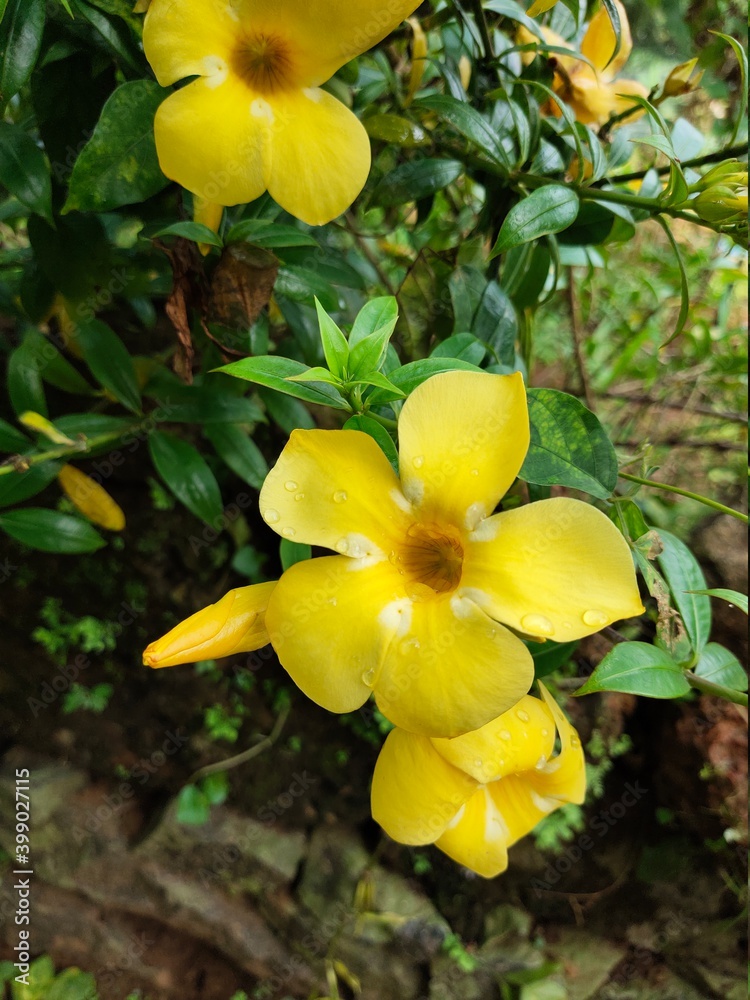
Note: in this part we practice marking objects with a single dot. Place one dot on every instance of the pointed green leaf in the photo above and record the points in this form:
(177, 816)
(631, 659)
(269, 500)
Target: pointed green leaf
(335, 346)
(110, 362)
(24, 171)
(720, 666)
(186, 473)
(684, 576)
(549, 209)
(638, 668)
(50, 531)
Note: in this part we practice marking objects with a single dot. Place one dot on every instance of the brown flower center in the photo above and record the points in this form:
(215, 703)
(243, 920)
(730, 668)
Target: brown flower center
(432, 557)
(264, 63)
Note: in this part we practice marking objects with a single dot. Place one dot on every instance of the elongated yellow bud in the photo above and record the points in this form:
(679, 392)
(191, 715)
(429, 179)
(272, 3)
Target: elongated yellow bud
(681, 80)
(235, 624)
(91, 499)
(418, 59)
(210, 214)
(36, 422)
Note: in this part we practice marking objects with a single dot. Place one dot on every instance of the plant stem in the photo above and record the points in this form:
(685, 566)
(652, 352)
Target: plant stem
(63, 451)
(386, 422)
(479, 17)
(246, 755)
(686, 493)
(717, 690)
(578, 338)
(699, 161)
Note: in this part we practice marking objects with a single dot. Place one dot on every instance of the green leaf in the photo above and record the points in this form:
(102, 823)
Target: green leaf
(239, 452)
(407, 378)
(187, 475)
(118, 165)
(549, 209)
(25, 381)
(638, 668)
(614, 16)
(371, 334)
(290, 414)
(24, 171)
(193, 808)
(52, 366)
(292, 553)
(50, 531)
(269, 234)
(415, 180)
(20, 41)
(335, 346)
(361, 422)
(397, 130)
(110, 363)
(73, 984)
(463, 346)
(273, 372)
(684, 575)
(720, 666)
(115, 37)
(548, 656)
(12, 440)
(569, 446)
(684, 282)
(733, 596)
(379, 381)
(739, 51)
(18, 486)
(469, 123)
(496, 324)
(194, 231)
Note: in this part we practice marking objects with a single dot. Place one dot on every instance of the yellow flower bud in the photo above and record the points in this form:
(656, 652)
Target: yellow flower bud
(679, 80)
(91, 499)
(418, 59)
(722, 203)
(235, 624)
(209, 214)
(36, 422)
(464, 71)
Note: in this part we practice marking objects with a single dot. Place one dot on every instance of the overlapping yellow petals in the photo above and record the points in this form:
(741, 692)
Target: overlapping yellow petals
(256, 118)
(599, 42)
(462, 440)
(336, 489)
(475, 796)
(235, 624)
(556, 569)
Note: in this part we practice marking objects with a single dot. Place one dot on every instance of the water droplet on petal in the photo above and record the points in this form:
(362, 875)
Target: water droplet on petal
(368, 677)
(523, 716)
(575, 742)
(595, 618)
(340, 496)
(272, 516)
(478, 762)
(291, 486)
(504, 735)
(342, 546)
(541, 762)
(475, 472)
(288, 532)
(299, 496)
(333, 601)
(545, 732)
(418, 462)
(537, 625)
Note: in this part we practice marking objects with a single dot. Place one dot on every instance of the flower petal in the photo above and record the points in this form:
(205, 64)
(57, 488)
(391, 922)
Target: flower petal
(235, 624)
(557, 569)
(318, 155)
(598, 44)
(329, 32)
(594, 102)
(189, 38)
(326, 622)
(336, 489)
(415, 792)
(227, 168)
(515, 741)
(463, 437)
(450, 669)
(478, 837)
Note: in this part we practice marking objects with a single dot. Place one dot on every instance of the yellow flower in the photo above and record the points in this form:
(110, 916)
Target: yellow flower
(593, 93)
(256, 118)
(683, 79)
(235, 624)
(475, 796)
(91, 499)
(411, 607)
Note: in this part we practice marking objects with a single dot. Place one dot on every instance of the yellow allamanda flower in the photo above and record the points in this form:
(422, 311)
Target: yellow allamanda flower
(422, 602)
(256, 118)
(593, 93)
(235, 624)
(477, 795)
(91, 498)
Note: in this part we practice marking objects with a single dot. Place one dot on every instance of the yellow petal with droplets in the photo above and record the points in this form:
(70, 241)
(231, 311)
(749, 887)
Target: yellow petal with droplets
(478, 837)
(556, 569)
(91, 499)
(415, 792)
(463, 437)
(235, 624)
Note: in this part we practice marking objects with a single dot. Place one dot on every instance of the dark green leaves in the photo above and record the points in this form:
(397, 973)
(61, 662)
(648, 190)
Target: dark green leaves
(119, 165)
(683, 574)
(51, 531)
(194, 231)
(187, 475)
(718, 665)
(549, 209)
(24, 171)
(469, 123)
(638, 668)
(110, 363)
(20, 40)
(569, 446)
(416, 180)
(239, 452)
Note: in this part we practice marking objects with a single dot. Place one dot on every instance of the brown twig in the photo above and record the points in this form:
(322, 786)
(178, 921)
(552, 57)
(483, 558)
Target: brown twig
(246, 755)
(707, 411)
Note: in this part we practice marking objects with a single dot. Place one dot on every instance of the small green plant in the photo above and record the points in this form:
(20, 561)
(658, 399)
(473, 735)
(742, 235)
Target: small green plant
(81, 698)
(221, 724)
(62, 632)
(455, 949)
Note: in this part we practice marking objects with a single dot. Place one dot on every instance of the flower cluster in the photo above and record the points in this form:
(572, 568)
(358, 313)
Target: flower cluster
(425, 604)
